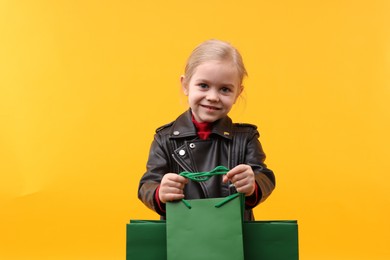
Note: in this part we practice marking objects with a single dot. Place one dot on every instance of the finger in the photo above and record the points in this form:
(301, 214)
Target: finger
(171, 190)
(232, 173)
(242, 177)
(237, 184)
(246, 189)
(173, 180)
(237, 170)
(238, 177)
(225, 179)
(171, 197)
(169, 193)
(178, 178)
(246, 180)
(174, 184)
(245, 175)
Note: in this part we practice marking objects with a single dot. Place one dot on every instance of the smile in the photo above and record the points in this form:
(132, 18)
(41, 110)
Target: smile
(211, 107)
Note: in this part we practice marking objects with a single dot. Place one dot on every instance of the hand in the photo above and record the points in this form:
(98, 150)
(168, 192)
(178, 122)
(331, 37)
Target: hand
(243, 178)
(171, 187)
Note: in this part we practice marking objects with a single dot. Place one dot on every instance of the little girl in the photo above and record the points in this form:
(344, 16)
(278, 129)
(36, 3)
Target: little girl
(204, 137)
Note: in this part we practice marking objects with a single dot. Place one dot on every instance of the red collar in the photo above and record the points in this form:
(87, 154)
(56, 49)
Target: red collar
(204, 129)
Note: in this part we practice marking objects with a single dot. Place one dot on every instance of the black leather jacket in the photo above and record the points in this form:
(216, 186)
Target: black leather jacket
(176, 148)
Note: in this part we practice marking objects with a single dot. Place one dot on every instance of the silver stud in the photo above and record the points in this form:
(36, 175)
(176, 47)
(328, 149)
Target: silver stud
(182, 152)
(176, 133)
(192, 145)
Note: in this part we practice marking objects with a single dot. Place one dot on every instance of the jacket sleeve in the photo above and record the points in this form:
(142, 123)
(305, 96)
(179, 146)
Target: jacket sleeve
(255, 157)
(156, 167)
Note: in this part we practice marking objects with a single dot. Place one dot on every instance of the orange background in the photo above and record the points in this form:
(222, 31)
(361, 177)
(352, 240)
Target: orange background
(83, 85)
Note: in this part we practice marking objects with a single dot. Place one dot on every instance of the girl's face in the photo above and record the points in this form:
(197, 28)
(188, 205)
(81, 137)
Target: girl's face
(212, 90)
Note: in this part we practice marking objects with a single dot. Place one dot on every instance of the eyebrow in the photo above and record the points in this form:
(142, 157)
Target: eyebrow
(207, 81)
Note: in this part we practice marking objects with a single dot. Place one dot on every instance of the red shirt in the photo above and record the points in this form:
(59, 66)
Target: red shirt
(203, 129)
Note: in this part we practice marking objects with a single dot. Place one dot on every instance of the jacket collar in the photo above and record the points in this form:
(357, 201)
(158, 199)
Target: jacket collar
(184, 127)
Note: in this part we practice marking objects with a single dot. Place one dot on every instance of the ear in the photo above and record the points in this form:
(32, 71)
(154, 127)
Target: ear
(184, 85)
(239, 92)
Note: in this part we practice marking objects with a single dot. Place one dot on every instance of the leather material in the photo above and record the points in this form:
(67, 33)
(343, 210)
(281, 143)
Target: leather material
(176, 148)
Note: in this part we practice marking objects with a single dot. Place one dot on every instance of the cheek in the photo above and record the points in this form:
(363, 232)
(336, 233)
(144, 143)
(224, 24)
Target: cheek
(195, 95)
(230, 101)
(192, 98)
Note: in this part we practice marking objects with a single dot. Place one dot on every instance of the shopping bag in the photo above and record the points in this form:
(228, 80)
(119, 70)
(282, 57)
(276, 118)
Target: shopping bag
(271, 240)
(146, 240)
(211, 229)
(205, 231)
(263, 240)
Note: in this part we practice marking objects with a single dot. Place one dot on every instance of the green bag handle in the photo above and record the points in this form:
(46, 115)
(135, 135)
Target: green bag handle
(204, 176)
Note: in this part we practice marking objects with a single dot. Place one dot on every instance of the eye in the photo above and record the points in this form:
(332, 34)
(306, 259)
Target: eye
(226, 90)
(203, 85)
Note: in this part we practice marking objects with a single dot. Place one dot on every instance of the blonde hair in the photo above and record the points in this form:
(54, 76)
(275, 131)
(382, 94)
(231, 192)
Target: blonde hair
(214, 50)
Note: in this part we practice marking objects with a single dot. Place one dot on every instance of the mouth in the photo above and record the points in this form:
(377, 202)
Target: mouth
(211, 107)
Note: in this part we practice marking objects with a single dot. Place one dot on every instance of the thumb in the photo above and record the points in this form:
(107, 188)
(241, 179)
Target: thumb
(225, 179)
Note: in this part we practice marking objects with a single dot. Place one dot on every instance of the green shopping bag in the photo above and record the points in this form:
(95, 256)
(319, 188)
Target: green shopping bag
(271, 240)
(206, 229)
(264, 240)
(146, 240)
(197, 229)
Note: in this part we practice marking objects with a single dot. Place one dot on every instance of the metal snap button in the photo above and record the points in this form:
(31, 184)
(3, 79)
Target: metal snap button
(182, 152)
(176, 133)
(192, 145)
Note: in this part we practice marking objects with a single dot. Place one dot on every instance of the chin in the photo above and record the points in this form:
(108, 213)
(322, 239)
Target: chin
(209, 119)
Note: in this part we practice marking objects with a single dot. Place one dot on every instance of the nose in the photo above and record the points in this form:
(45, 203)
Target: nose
(212, 95)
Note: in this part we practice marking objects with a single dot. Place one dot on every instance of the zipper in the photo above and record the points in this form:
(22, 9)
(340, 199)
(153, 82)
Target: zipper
(202, 185)
(181, 164)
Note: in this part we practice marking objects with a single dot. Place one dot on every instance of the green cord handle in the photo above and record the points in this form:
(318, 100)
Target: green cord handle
(204, 176)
